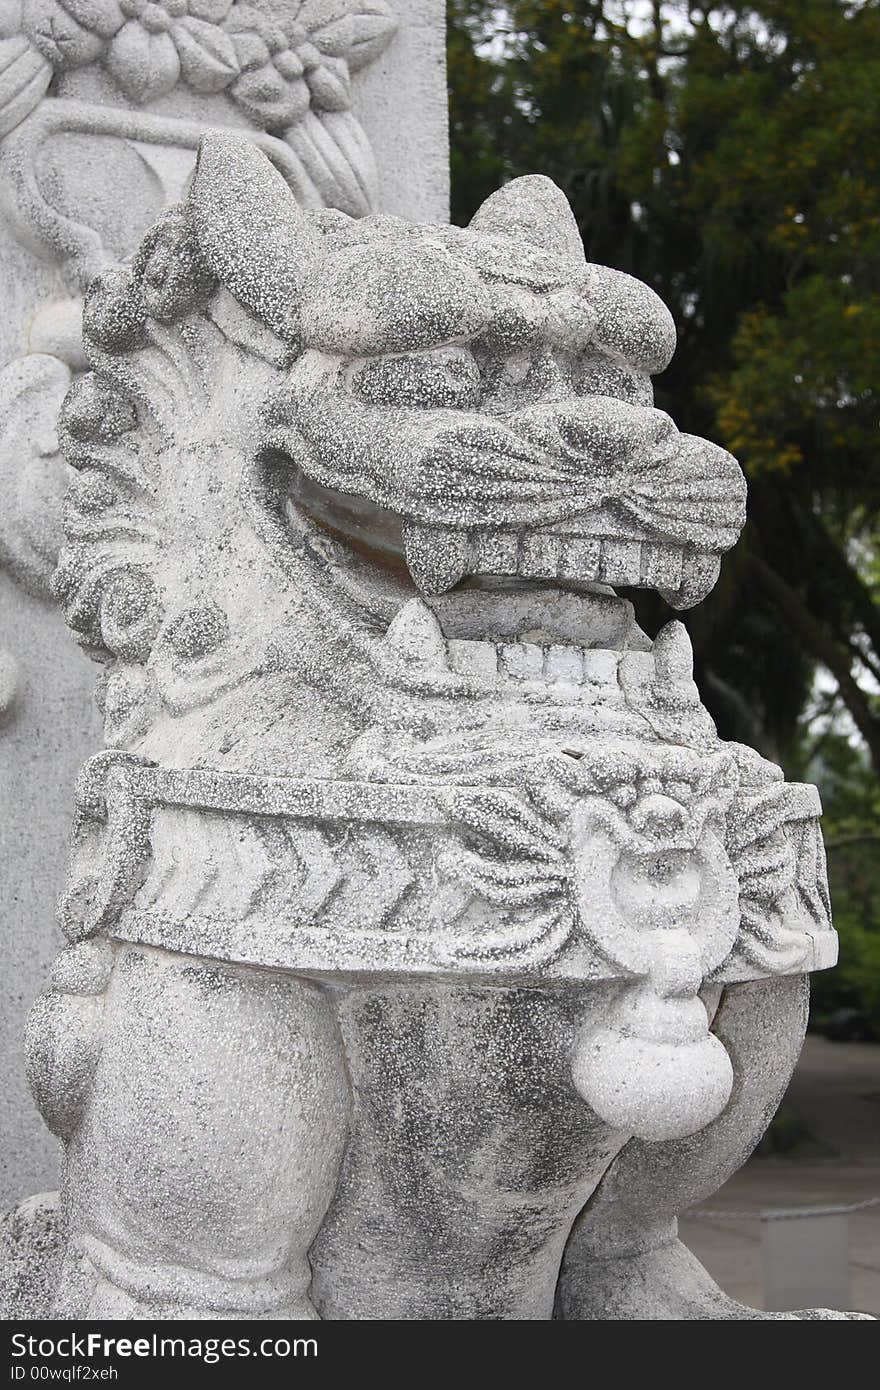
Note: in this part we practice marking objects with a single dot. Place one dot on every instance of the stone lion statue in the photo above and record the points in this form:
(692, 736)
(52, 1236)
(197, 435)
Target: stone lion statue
(428, 951)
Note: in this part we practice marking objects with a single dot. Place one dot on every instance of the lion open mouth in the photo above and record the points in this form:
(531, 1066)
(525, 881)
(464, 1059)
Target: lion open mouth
(580, 490)
(562, 637)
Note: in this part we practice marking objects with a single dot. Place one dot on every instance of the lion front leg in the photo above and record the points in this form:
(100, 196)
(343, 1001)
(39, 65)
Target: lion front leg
(207, 1147)
(624, 1260)
(470, 1153)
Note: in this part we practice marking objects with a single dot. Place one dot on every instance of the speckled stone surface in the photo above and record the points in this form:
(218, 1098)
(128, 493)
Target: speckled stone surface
(113, 133)
(427, 950)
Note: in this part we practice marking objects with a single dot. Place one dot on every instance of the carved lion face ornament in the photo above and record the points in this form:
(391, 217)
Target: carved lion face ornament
(433, 452)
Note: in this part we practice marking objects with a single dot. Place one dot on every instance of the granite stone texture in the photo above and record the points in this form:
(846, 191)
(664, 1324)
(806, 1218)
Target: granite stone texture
(98, 134)
(427, 951)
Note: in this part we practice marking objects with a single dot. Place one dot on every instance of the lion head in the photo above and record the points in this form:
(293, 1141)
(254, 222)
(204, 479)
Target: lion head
(410, 463)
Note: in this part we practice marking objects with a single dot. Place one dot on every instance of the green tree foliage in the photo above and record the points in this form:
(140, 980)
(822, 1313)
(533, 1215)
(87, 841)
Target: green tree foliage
(729, 156)
(851, 798)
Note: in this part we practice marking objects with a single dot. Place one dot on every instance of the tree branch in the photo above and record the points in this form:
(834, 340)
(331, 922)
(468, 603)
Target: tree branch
(837, 568)
(820, 642)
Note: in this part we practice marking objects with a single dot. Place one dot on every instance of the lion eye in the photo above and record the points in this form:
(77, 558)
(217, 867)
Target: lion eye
(443, 379)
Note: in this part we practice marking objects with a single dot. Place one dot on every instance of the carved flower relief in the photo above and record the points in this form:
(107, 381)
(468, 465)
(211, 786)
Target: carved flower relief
(25, 73)
(282, 74)
(274, 71)
(158, 44)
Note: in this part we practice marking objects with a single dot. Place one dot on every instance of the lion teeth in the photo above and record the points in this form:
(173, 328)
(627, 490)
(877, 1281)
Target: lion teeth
(559, 664)
(474, 658)
(670, 661)
(637, 667)
(581, 559)
(600, 667)
(683, 578)
(415, 634)
(661, 565)
(699, 577)
(563, 663)
(620, 562)
(539, 555)
(522, 661)
(437, 557)
(495, 552)
(673, 653)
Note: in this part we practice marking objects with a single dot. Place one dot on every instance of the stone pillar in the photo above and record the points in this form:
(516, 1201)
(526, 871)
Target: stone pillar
(95, 140)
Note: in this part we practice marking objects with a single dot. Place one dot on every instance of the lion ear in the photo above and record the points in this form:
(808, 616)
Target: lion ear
(535, 210)
(250, 229)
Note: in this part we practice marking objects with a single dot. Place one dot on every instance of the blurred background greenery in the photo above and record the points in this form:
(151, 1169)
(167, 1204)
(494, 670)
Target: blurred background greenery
(729, 155)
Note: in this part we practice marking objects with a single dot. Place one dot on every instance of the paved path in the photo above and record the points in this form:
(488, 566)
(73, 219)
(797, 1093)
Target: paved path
(836, 1095)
